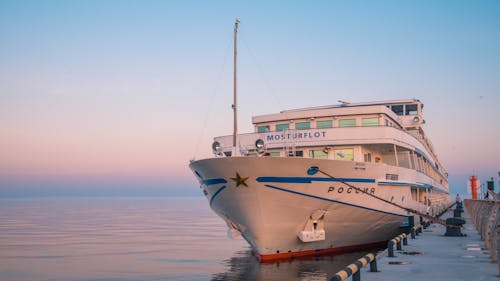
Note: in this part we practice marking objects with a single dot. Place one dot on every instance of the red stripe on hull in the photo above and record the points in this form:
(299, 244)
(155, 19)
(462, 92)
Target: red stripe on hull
(337, 250)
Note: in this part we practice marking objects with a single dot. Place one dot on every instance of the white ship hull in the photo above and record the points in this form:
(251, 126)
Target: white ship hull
(280, 197)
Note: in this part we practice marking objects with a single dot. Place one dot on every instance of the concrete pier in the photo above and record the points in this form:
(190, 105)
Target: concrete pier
(433, 256)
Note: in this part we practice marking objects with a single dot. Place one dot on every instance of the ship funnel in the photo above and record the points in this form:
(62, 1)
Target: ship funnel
(312, 170)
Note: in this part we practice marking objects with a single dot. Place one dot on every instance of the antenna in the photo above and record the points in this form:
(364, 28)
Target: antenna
(344, 103)
(235, 112)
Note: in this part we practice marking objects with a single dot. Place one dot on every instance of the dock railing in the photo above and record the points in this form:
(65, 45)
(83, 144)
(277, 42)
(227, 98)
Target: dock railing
(396, 241)
(354, 269)
(485, 214)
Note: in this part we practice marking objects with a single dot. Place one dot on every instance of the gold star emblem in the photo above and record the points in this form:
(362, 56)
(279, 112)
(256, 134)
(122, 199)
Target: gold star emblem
(240, 180)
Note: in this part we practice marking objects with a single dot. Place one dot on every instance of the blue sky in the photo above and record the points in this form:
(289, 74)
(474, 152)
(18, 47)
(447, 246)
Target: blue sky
(98, 95)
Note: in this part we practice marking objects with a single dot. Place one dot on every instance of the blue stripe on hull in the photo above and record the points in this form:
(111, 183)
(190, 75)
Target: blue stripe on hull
(208, 182)
(310, 179)
(215, 194)
(330, 200)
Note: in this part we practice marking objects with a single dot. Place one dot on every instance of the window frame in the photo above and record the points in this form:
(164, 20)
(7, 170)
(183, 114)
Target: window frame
(267, 128)
(402, 109)
(345, 120)
(321, 154)
(285, 126)
(413, 112)
(337, 157)
(298, 124)
(318, 126)
(363, 124)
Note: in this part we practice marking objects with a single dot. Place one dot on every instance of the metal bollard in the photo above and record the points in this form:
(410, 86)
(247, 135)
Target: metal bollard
(373, 265)
(396, 241)
(411, 224)
(405, 239)
(411, 221)
(453, 227)
(356, 276)
(390, 248)
(457, 213)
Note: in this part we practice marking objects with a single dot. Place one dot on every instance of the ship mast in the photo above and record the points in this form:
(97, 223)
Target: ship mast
(235, 115)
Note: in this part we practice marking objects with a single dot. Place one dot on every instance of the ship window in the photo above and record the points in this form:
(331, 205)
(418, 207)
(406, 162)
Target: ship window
(318, 154)
(227, 153)
(398, 109)
(274, 154)
(324, 124)
(344, 154)
(368, 157)
(391, 177)
(367, 122)
(252, 154)
(414, 194)
(263, 129)
(347, 123)
(411, 109)
(282, 127)
(303, 125)
(298, 153)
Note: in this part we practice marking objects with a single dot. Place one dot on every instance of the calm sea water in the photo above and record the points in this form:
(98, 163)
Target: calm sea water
(115, 239)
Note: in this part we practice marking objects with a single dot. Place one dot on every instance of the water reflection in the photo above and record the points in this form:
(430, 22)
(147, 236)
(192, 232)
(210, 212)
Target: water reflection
(111, 239)
(146, 239)
(244, 266)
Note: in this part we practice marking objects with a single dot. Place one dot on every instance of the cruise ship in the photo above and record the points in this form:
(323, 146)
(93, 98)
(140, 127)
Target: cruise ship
(324, 179)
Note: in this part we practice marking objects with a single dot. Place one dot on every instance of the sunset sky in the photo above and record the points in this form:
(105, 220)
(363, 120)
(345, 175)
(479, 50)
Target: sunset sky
(115, 97)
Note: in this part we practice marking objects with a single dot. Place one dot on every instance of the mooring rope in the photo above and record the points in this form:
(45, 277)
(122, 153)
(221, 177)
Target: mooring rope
(410, 210)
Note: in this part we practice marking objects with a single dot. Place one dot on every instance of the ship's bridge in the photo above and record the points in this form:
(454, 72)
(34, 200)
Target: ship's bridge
(405, 114)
